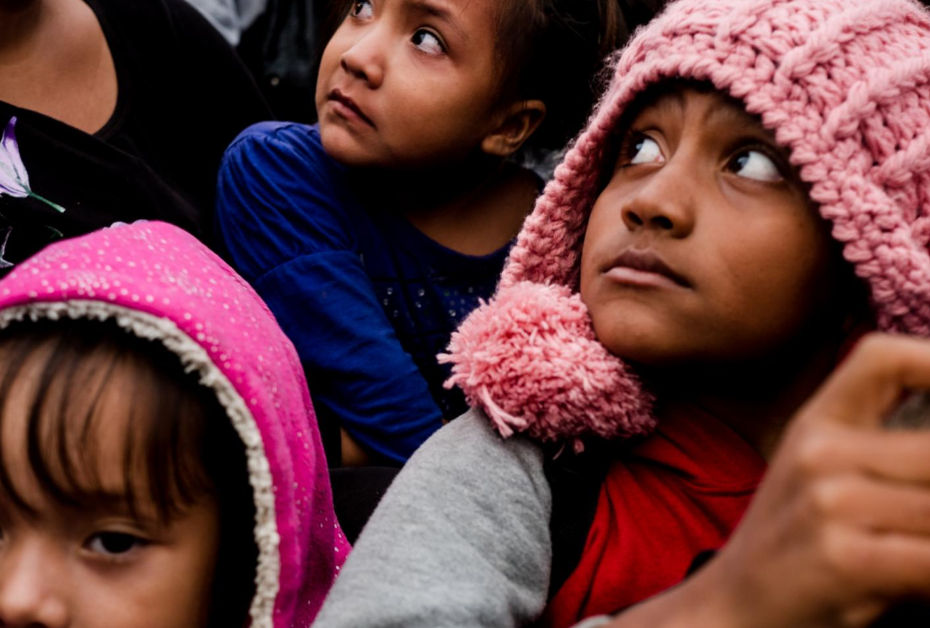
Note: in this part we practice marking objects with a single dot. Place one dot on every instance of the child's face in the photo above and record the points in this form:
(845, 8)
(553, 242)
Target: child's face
(408, 83)
(100, 565)
(703, 247)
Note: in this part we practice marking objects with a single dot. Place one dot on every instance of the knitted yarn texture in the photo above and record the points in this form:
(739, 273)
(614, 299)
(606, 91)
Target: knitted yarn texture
(843, 84)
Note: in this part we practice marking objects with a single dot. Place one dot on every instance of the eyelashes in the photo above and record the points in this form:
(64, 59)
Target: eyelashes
(114, 544)
(642, 150)
(747, 158)
(428, 42)
(423, 39)
(362, 9)
(107, 545)
(756, 165)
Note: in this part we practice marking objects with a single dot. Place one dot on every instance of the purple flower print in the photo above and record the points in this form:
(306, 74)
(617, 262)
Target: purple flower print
(14, 180)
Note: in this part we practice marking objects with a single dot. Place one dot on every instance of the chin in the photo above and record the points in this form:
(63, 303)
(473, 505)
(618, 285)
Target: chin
(638, 348)
(343, 147)
(635, 335)
(650, 356)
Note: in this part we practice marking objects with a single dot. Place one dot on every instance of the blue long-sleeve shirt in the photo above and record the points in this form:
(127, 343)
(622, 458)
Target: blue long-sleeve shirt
(367, 299)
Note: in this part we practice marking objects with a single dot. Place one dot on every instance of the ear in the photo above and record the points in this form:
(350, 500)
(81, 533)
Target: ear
(515, 125)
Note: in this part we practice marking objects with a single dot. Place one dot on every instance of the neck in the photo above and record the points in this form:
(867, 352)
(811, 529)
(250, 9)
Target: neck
(474, 207)
(756, 398)
(424, 190)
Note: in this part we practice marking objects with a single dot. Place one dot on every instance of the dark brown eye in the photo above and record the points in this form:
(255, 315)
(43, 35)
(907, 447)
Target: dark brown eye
(362, 9)
(645, 150)
(428, 42)
(113, 543)
(756, 165)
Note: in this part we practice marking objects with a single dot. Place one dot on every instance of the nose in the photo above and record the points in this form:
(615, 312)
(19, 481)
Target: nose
(664, 203)
(364, 59)
(31, 592)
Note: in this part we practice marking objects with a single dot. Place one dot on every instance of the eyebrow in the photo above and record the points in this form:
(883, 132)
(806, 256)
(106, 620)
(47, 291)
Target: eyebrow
(672, 99)
(727, 113)
(440, 11)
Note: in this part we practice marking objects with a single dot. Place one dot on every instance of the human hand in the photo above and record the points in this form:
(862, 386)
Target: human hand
(840, 528)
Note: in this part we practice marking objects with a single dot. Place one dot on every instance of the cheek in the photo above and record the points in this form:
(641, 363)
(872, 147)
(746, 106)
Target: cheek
(452, 102)
(190, 592)
(782, 281)
(172, 586)
(588, 276)
(588, 272)
(601, 237)
(630, 325)
(154, 598)
(329, 62)
(452, 119)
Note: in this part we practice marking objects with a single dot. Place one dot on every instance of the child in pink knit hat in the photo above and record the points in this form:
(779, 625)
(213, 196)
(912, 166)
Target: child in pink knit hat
(675, 323)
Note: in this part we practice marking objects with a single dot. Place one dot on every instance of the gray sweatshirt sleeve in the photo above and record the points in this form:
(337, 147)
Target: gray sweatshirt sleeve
(460, 539)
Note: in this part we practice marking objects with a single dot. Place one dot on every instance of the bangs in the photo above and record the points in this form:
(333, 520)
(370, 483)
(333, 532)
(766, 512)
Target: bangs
(98, 414)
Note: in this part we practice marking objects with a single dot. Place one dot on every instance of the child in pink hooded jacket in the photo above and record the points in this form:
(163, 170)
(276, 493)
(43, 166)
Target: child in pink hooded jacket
(160, 464)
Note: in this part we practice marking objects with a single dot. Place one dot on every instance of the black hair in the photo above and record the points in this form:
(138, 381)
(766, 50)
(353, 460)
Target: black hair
(554, 51)
(179, 444)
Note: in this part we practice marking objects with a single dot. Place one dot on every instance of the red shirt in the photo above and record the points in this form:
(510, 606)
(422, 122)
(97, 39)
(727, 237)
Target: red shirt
(678, 493)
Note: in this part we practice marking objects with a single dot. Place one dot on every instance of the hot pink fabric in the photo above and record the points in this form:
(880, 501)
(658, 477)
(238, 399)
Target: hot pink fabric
(158, 269)
(844, 84)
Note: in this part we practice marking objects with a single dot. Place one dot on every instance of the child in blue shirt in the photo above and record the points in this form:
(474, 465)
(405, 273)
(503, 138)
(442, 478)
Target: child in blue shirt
(372, 234)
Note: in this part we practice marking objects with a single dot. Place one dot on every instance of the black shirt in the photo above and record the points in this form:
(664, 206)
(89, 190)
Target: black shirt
(183, 96)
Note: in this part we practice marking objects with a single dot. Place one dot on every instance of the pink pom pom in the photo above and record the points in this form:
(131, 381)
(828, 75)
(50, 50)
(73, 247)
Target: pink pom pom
(530, 360)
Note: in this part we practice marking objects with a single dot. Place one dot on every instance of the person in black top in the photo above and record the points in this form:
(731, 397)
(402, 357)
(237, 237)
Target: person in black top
(112, 111)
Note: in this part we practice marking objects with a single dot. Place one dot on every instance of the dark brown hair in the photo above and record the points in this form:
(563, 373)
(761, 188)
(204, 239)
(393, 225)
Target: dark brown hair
(554, 50)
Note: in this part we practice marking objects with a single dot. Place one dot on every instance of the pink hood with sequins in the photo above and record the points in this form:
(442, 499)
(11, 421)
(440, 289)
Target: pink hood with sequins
(158, 282)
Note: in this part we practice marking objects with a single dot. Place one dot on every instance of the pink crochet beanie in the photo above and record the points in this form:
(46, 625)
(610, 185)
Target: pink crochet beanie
(844, 84)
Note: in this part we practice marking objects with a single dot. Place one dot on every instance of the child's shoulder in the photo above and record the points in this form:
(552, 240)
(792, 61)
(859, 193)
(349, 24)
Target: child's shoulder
(282, 141)
(279, 196)
(468, 503)
(283, 163)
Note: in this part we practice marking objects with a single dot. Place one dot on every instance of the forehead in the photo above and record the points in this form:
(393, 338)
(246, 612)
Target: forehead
(470, 19)
(696, 103)
(80, 422)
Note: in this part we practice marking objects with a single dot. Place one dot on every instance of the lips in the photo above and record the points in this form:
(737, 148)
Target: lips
(643, 267)
(337, 96)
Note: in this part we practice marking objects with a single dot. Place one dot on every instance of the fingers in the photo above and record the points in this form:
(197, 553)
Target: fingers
(840, 527)
(873, 506)
(867, 385)
(899, 456)
(888, 565)
(889, 456)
